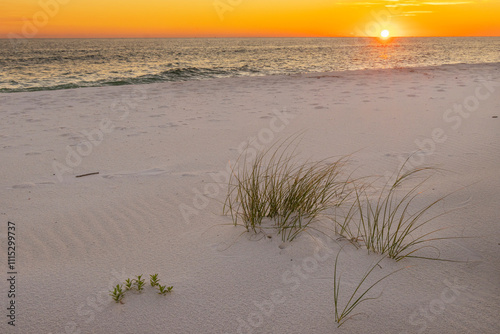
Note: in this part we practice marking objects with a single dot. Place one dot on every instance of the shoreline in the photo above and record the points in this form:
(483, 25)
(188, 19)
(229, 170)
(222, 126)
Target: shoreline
(305, 74)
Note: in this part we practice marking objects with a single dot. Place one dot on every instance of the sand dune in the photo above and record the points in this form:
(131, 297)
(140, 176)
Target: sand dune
(162, 152)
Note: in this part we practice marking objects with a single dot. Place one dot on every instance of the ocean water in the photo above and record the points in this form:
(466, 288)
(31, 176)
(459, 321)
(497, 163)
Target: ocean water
(49, 64)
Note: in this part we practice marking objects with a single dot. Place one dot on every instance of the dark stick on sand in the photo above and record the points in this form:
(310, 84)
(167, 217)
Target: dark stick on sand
(82, 175)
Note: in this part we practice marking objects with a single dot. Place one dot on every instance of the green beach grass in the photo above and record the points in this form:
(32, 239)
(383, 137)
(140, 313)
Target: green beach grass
(387, 220)
(276, 186)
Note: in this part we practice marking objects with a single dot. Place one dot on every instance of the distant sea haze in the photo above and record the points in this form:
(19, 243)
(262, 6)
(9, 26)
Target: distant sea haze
(50, 64)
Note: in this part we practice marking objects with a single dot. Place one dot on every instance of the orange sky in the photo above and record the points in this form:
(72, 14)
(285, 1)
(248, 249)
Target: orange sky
(218, 18)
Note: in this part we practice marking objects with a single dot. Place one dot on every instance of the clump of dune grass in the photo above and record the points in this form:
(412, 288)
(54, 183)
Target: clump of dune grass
(276, 186)
(358, 296)
(389, 223)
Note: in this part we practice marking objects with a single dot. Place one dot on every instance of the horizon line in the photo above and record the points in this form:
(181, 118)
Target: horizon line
(212, 37)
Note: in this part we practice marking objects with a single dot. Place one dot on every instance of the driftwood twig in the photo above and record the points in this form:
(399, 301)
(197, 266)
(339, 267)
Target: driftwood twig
(82, 175)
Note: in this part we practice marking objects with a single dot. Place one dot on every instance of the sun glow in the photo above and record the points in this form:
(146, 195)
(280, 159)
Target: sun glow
(384, 33)
(256, 18)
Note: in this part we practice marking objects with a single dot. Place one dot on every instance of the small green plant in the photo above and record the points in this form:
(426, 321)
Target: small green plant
(342, 315)
(128, 284)
(140, 282)
(153, 280)
(117, 294)
(163, 289)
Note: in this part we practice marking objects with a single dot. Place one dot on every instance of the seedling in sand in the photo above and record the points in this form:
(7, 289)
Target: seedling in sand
(154, 280)
(117, 294)
(139, 282)
(163, 289)
(128, 284)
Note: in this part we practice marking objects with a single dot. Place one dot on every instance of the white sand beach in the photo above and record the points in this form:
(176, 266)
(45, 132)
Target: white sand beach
(162, 151)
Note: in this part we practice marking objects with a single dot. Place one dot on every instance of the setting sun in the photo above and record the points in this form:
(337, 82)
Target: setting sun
(384, 33)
